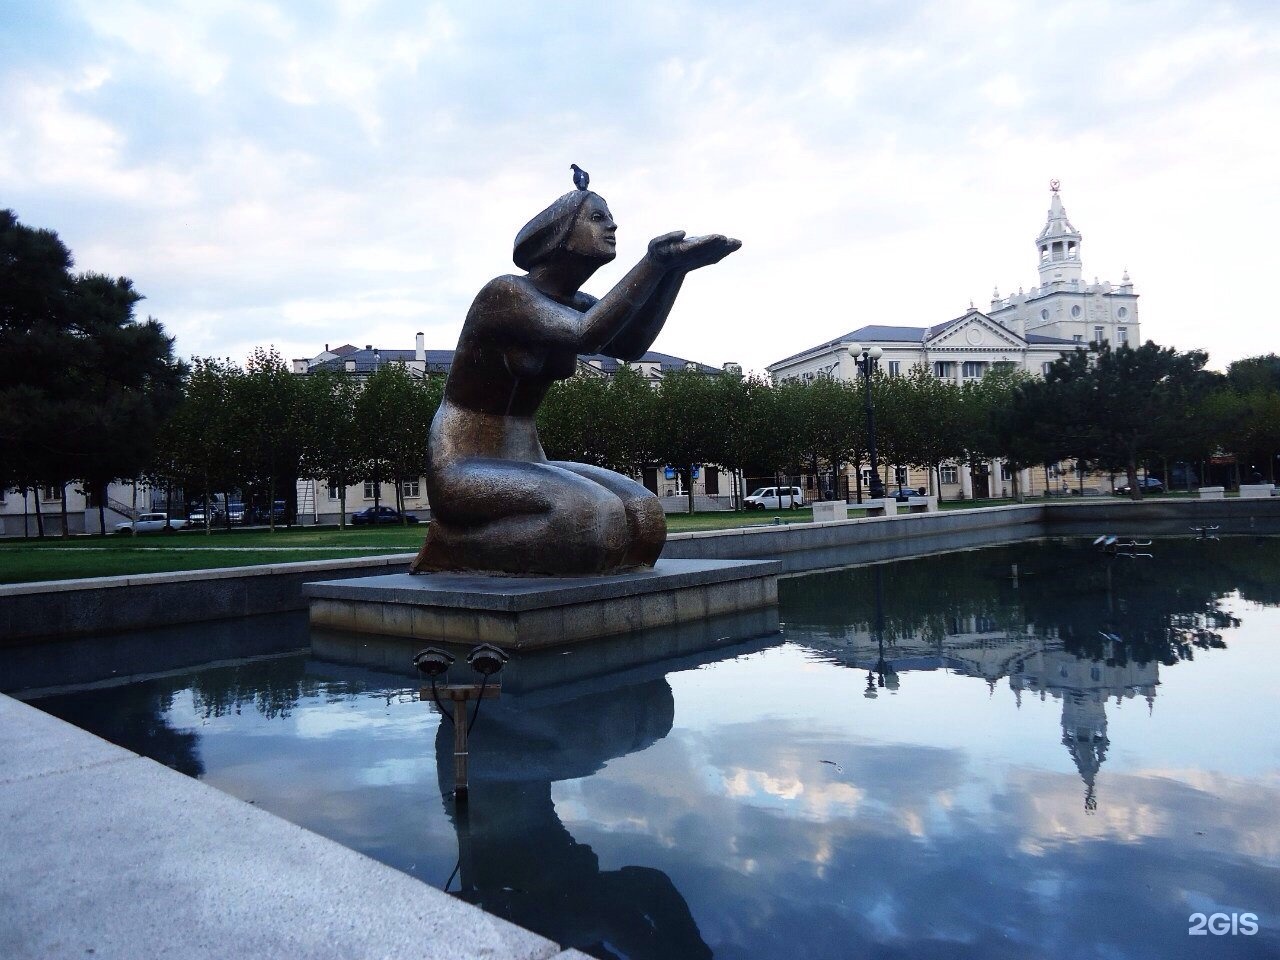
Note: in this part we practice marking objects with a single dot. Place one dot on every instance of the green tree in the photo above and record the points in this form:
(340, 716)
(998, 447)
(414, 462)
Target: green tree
(685, 432)
(83, 386)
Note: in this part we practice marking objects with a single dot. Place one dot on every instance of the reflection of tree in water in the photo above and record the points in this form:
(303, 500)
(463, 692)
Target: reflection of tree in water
(1075, 624)
(1163, 609)
(517, 860)
(132, 716)
(273, 688)
(136, 715)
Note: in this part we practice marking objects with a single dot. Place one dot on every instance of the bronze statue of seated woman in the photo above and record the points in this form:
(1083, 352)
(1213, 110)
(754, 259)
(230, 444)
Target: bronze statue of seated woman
(497, 504)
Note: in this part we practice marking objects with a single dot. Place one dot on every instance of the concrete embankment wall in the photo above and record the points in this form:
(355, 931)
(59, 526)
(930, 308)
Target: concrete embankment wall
(61, 609)
(77, 608)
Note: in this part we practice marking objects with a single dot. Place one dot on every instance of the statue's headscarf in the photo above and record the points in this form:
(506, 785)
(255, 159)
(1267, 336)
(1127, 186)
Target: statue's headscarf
(549, 231)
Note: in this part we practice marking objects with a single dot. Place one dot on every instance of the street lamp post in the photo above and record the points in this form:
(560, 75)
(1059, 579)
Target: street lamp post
(866, 358)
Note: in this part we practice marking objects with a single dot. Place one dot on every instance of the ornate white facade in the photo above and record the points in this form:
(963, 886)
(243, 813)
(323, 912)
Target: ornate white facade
(1025, 331)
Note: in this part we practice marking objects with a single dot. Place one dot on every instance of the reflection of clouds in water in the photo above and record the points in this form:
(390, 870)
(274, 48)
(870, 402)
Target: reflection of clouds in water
(1219, 815)
(399, 770)
(364, 717)
(912, 847)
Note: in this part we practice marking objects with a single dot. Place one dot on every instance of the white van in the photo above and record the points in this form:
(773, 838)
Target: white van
(769, 498)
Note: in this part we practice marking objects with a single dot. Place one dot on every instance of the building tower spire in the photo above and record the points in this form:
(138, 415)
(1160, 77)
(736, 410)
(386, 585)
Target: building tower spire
(1058, 244)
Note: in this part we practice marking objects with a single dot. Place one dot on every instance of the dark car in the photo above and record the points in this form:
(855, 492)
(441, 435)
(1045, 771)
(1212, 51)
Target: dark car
(260, 515)
(369, 516)
(1145, 484)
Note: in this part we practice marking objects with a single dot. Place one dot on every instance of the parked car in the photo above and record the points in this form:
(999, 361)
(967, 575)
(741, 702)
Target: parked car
(195, 516)
(906, 493)
(149, 523)
(235, 512)
(1145, 484)
(370, 516)
(775, 498)
(263, 516)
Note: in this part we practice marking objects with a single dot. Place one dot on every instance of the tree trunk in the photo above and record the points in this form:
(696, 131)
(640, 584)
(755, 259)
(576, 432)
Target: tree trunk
(688, 486)
(226, 501)
(102, 509)
(39, 514)
(271, 503)
(342, 504)
(857, 476)
(65, 532)
(168, 505)
(1131, 472)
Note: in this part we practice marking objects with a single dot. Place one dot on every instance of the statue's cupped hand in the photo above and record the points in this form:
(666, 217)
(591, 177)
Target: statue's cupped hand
(677, 251)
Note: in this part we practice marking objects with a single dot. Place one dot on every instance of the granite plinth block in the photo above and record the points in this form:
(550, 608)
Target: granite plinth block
(530, 612)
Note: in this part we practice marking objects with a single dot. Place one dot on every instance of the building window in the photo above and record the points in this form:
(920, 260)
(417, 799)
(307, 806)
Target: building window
(943, 369)
(973, 369)
(1071, 250)
(865, 474)
(1044, 254)
(1097, 334)
(50, 494)
(410, 488)
(1122, 336)
(1077, 337)
(1005, 472)
(1075, 312)
(950, 473)
(1122, 313)
(900, 476)
(335, 492)
(1045, 368)
(1044, 314)
(368, 489)
(895, 368)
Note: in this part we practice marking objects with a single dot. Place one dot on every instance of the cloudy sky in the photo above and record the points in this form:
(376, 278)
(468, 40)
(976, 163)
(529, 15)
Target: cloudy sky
(299, 174)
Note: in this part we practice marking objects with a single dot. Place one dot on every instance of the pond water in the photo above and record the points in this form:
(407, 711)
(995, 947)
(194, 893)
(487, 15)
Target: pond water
(933, 758)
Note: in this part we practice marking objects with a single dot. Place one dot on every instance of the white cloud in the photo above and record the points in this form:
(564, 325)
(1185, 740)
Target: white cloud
(262, 174)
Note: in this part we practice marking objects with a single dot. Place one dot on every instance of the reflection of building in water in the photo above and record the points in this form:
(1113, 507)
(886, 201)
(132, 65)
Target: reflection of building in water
(974, 647)
(1084, 687)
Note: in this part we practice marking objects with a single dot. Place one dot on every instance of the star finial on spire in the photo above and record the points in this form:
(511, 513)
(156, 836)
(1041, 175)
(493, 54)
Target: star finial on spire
(1054, 185)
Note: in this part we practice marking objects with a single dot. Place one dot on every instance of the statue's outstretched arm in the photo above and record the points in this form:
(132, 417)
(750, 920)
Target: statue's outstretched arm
(679, 255)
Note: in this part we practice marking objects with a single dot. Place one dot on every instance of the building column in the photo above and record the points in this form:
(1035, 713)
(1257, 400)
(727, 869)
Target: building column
(966, 481)
(996, 483)
(1024, 482)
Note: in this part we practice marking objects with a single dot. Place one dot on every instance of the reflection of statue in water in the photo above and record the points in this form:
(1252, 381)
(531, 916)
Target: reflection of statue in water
(497, 503)
(516, 858)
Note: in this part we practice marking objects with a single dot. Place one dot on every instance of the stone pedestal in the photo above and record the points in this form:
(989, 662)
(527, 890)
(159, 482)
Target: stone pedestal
(1255, 491)
(886, 507)
(528, 612)
(829, 510)
(1212, 493)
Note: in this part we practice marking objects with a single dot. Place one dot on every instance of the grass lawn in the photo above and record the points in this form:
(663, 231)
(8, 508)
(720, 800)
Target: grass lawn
(23, 561)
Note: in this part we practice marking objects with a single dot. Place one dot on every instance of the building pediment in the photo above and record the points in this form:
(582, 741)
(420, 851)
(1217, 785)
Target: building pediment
(974, 331)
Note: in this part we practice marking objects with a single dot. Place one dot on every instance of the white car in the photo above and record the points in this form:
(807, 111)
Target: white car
(149, 523)
(775, 498)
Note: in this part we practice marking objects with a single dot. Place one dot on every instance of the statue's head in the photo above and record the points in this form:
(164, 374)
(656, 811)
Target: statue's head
(578, 225)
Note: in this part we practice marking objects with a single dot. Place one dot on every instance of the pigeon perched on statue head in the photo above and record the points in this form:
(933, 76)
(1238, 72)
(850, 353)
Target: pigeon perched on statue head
(580, 177)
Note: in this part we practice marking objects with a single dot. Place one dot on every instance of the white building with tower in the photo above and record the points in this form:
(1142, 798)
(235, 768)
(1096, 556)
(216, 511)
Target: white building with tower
(1025, 331)
(1063, 306)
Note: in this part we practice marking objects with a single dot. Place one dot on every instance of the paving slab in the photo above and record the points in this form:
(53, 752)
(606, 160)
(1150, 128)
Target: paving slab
(121, 857)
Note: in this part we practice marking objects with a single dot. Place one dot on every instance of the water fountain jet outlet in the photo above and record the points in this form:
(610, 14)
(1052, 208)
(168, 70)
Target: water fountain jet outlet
(487, 659)
(432, 662)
